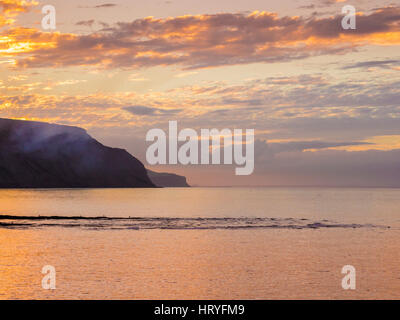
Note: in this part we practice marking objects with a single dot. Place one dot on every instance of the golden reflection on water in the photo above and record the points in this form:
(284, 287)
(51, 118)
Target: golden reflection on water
(16, 261)
(199, 264)
(203, 264)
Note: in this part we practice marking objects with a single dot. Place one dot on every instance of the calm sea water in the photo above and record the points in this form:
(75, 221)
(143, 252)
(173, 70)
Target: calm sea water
(200, 243)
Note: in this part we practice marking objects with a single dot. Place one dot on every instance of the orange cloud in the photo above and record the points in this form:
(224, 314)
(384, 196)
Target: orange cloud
(11, 8)
(15, 6)
(202, 41)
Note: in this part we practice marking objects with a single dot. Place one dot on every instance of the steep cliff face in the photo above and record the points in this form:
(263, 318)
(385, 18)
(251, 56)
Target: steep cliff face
(163, 179)
(42, 155)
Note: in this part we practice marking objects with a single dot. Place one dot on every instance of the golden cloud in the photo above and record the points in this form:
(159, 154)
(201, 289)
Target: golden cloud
(202, 41)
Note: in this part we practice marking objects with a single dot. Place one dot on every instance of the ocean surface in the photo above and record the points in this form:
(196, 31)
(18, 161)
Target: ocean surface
(200, 243)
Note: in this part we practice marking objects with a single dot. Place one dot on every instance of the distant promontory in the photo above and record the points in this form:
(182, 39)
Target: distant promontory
(164, 179)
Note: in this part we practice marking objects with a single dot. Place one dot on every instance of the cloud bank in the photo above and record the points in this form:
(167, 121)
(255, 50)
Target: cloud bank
(203, 41)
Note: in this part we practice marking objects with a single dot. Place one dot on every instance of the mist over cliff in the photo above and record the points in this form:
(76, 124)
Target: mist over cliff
(42, 155)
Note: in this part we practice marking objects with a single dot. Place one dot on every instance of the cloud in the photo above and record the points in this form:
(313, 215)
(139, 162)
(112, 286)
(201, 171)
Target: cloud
(16, 6)
(106, 5)
(310, 6)
(306, 107)
(330, 2)
(86, 23)
(385, 64)
(100, 6)
(11, 8)
(148, 111)
(323, 4)
(265, 151)
(203, 41)
(310, 145)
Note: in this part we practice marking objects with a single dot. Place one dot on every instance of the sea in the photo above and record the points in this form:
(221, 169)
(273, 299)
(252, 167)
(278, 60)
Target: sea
(200, 243)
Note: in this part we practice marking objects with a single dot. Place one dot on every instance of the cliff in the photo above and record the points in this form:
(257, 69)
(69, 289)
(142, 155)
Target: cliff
(42, 155)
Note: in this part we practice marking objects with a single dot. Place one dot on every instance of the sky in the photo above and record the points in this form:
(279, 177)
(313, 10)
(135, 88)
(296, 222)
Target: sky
(324, 102)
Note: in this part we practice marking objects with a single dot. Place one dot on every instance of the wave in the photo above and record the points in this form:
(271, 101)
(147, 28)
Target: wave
(144, 223)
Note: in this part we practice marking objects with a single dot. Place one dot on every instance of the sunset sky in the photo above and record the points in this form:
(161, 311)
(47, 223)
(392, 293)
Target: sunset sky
(324, 102)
